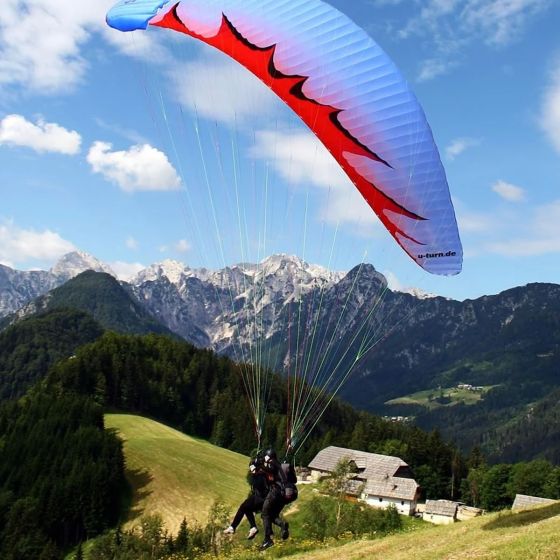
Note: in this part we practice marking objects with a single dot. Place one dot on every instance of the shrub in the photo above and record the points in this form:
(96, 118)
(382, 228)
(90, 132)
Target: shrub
(324, 517)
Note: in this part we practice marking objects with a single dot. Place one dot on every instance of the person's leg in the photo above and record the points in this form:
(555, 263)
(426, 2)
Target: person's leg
(268, 514)
(284, 528)
(250, 515)
(249, 508)
(243, 508)
(257, 506)
(252, 531)
(280, 521)
(267, 519)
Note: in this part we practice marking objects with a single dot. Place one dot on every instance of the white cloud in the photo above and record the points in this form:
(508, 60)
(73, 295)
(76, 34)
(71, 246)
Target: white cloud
(547, 220)
(509, 192)
(434, 67)
(550, 110)
(519, 232)
(137, 44)
(183, 246)
(453, 25)
(431, 15)
(15, 130)
(393, 282)
(525, 247)
(18, 245)
(501, 21)
(459, 146)
(140, 168)
(301, 159)
(474, 222)
(220, 89)
(126, 271)
(41, 42)
(131, 243)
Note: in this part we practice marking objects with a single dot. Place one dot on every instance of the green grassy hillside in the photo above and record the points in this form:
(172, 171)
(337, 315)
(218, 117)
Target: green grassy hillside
(176, 475)
(529, 535)
(436, 398)
(179, 476)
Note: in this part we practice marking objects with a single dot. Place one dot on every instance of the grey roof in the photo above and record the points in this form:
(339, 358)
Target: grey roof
(441, 507)
(392, 487)
(377, 472)
(522, 502)
(468, 511)
(374, 465)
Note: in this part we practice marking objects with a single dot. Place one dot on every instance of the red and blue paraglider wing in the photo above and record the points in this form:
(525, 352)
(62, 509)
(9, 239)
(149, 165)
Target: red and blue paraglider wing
(347, 91)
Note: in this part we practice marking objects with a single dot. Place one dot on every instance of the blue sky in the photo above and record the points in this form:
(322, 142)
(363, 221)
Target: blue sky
(138, 147)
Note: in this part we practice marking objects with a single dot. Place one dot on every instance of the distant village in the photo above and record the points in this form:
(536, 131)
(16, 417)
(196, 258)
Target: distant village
(467, 387)
(403, 419)
(460, 386)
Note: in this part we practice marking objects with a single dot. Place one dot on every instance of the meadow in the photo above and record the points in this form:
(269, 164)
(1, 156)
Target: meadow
(178, 476)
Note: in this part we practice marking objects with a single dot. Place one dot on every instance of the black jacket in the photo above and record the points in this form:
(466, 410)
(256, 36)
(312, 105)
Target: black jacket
(259, 484)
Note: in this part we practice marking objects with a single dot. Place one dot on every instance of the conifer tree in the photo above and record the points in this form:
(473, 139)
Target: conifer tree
(182, 540)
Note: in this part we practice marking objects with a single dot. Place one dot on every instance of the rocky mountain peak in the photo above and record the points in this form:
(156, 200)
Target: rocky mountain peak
(282, 264)
(72, 264)
(281, 261)
(170, 269)
(364, 274)
(417, 293)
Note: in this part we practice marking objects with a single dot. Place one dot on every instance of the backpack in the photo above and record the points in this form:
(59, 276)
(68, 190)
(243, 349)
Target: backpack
(289, 480)
(290, 493)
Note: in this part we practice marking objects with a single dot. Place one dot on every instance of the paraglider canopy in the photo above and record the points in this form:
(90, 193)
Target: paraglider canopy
(347, 91)
(353, 98)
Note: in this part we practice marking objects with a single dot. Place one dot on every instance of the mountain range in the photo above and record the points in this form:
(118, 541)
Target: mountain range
(18, 288)
(296, 317)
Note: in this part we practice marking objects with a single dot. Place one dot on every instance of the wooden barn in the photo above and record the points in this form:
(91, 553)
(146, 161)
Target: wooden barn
(379, 480)
(440, 512)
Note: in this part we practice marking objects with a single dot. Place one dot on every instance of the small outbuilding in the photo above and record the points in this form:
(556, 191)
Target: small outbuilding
(440, 512)
(464, 513)
(522, 502)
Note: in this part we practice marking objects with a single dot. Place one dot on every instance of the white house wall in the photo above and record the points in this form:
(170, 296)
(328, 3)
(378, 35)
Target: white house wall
(406, 508)
(438, 519)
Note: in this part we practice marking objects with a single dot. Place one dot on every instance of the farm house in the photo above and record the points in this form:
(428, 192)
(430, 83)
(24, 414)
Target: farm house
(378, 480)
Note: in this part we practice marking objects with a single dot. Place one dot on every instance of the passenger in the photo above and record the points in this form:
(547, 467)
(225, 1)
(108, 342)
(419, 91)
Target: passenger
(254, 503)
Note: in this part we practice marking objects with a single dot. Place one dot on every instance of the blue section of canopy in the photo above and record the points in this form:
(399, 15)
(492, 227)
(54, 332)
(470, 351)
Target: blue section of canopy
(130, 15)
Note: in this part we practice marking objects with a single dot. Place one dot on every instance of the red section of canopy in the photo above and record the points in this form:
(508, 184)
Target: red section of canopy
(321, 119)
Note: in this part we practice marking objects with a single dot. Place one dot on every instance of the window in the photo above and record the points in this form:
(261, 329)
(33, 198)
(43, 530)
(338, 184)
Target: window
(402, 502)
(380, 499)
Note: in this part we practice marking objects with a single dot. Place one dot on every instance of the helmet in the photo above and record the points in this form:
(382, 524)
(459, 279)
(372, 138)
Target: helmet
(270, 455)
(255, 464)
